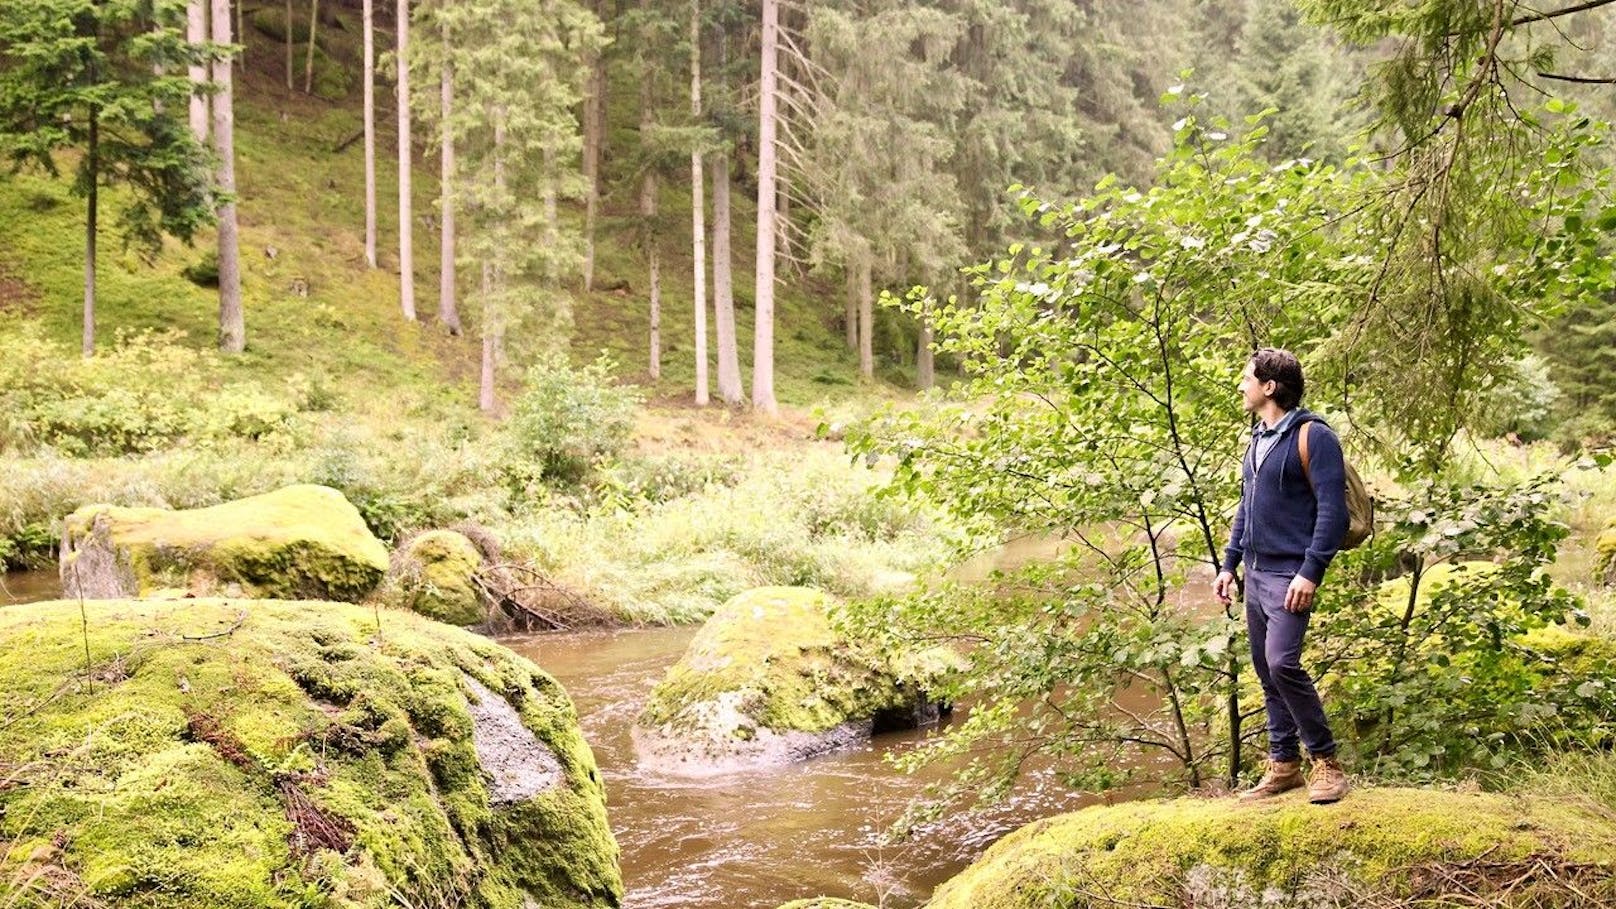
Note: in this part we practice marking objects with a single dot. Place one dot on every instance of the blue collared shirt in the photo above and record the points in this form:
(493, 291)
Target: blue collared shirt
(1267, 437)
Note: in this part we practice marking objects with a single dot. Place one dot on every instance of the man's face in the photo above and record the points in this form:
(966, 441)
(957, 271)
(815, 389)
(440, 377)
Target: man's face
(1252, 392)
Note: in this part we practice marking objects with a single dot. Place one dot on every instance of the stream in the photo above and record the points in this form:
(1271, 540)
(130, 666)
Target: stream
(750, 841)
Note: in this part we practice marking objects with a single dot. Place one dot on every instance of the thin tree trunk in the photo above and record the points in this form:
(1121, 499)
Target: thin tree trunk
(290, 57)
(241, 36)
(370, 132)
(485, 392)
(92, 167)
(925, 362)
(729, 365)
(594, 126)
(648, 212)
(308, 59)
(850, 301)
(763, 334)
(232, 322)
(196, 34)
(783, 220)
(866, 320)
(656, 316)
(493, 279)
(698, 216)
(406, 216)
(448, 310)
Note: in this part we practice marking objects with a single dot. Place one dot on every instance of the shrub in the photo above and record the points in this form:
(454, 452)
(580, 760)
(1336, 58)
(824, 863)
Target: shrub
(143, 392)
(567, 420)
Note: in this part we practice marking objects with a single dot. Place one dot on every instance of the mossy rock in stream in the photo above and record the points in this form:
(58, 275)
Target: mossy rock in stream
(1605, 555)
(288, 754)
(301, 542)
(825, 902)
(434, 574)
(1288, 854)
(768, 680)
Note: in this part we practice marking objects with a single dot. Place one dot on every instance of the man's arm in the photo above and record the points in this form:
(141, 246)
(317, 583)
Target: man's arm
(1328, 470)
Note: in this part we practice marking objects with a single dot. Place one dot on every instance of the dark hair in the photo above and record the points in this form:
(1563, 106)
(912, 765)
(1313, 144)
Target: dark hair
(1274, 364)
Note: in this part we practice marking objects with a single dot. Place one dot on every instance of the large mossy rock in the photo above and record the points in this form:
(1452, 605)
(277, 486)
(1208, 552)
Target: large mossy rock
(1288, 854)
(435, 574)
(1605, 556)
(288, 754)
(301, 542)
(766, 681)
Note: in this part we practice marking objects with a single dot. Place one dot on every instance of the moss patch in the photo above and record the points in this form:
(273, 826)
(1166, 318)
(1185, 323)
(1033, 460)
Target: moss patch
(771, 652)
(223, 754)
(299, 542)
(1283, 853)
(433, 575)
(1605, 556)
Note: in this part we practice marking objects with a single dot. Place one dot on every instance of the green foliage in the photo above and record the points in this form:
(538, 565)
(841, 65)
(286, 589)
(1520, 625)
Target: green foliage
(108, 79)
(146, 391)
(1447, 666)
(1100, 409)
(567, 420)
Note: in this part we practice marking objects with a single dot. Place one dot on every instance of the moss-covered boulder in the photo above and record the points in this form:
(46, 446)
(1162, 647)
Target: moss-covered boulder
(221, 753)
(301, 542)
(1288, 854)
(768, 680)
(434, 574)
(1605, 556)
(826, 902)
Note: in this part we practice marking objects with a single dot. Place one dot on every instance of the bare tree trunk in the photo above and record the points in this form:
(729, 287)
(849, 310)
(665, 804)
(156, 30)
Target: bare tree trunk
(232, 322)
(406, 215)
(196, 34)
(648, 212)
(866, 319)
(308, 59)
(698, 216)
(370, 132)
(594, 127)
(485, 391)
(493, 280)
(763, 334)
(783, 220)
(925, 363)
(290, 65)
(241, 36)
(850, 311)
(92, 166)
(448, 309)
(729, 365)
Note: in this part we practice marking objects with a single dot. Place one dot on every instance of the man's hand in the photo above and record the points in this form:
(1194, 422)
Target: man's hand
(1299, 596)
(1224, 587)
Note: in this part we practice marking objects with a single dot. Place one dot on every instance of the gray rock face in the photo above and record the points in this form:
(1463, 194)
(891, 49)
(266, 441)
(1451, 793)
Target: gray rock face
(518, 765)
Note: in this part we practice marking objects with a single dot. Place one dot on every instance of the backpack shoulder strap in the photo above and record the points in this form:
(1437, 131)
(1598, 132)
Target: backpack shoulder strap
(1301, 444)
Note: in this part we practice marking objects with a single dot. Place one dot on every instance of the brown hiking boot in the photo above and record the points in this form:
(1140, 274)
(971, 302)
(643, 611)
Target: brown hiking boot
(1282, 777)
(1329, 783)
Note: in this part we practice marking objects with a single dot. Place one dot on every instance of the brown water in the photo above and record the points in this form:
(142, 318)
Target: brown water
(756, 840)
(29, 586)
(753, 840)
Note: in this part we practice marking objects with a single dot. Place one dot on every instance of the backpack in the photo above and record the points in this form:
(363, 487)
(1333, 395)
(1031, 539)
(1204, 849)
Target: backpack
(1360, 505)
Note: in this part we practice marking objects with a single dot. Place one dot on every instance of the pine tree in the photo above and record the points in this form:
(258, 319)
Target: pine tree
(92, 77)
(768, 167)
(406, 214)
(232, 320)
(518, 74)
(368, 13)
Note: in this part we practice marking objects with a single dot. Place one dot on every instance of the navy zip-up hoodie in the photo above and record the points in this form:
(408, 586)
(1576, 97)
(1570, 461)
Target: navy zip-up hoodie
(1284, 524)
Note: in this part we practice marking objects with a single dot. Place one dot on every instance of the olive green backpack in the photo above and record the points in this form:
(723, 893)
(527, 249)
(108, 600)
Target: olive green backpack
(1360, 505)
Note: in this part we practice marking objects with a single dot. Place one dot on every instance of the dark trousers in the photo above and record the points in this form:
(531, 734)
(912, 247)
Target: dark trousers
(1295, 714)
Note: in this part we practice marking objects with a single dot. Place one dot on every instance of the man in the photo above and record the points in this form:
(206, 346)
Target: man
(1290, 523)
